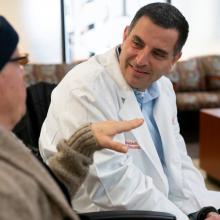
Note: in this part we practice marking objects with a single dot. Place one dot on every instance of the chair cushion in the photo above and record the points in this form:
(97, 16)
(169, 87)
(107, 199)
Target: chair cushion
(211, 66)
(191, 75)
(188, 76)
(50, 73)
(197, 100)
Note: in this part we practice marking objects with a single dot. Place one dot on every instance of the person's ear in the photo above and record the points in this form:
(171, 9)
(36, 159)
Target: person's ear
(126, 33)
(176, 57)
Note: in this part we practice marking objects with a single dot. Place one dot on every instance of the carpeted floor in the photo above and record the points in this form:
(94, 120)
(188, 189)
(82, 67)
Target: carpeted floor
(212, 185)
(193, 151)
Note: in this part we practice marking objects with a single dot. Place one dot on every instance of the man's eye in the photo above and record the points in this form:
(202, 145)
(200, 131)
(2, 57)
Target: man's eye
(159, 54)
(137, 44)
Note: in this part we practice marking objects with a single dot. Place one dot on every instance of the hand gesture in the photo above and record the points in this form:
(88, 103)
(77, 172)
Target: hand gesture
(105, 131)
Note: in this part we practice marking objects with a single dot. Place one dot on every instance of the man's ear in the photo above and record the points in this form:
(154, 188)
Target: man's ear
(126, 33)
(176, 57)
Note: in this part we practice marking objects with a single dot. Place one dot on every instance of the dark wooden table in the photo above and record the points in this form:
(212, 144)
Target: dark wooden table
(209, 142)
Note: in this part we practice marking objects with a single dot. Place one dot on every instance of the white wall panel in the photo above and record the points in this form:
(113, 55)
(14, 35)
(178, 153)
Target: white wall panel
(204, 22)
(39, 26)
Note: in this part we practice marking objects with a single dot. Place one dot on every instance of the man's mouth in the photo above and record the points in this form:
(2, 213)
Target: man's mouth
(138, 70)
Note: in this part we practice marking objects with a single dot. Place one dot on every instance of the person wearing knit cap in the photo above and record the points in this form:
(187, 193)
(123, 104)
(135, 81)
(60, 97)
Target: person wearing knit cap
(11, 73)
(27, 191)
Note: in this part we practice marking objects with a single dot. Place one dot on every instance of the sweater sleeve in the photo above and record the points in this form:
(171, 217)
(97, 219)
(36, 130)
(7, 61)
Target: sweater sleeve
(71, 162)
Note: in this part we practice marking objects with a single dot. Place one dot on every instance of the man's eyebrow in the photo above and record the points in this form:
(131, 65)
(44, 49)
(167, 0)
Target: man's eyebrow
(137, 38)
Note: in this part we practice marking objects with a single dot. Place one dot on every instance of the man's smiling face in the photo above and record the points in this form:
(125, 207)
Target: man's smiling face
(147, 53)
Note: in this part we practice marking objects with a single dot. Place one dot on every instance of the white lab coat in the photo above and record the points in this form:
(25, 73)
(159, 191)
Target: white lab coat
(96, 90)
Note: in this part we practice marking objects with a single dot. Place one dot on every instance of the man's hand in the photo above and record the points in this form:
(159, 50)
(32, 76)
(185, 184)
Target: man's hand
(212, 216)
(105, 131)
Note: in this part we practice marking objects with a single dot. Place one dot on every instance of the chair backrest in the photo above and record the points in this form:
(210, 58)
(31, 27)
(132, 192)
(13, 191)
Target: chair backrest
(127, 215)
(28, 129)
(37, 104)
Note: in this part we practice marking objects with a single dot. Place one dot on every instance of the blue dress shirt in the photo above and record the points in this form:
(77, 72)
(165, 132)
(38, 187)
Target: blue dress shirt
(146, 100)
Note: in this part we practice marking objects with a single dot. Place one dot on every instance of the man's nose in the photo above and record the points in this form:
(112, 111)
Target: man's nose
(143, 57)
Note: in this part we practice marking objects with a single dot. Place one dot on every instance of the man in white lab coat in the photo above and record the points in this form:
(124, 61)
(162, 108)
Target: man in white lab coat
(124, 83)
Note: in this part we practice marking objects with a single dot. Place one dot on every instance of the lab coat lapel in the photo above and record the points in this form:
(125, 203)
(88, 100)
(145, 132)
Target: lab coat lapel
(129, 110)
(165, 118)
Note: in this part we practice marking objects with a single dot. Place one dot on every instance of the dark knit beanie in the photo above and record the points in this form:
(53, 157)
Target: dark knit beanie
(8, 41)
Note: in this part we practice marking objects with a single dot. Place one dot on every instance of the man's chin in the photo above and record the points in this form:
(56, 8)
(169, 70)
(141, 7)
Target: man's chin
(138, 86)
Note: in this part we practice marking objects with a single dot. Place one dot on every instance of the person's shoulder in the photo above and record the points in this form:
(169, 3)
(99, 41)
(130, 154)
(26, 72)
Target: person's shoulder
(90, 74)
(19, 193)
(84, 73)
(10, 145)
(166, 87)
(95, 66)
(91, 67)
(165, 80)
(165, 83)
(16, 184)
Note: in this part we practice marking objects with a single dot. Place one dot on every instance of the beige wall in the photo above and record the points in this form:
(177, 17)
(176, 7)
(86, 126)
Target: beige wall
(39, 26)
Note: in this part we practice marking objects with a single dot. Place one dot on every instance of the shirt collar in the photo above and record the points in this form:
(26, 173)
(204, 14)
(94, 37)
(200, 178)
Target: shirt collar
(148, 95)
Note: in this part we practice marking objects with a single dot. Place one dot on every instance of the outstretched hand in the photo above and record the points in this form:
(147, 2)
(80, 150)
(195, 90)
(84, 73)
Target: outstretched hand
(104, 132)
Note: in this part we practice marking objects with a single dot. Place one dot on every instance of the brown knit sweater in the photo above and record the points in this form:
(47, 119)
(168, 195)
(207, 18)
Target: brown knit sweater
(27, 191)
(71, 163)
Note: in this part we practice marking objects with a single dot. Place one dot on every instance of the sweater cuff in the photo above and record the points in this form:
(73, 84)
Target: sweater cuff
(83, 141)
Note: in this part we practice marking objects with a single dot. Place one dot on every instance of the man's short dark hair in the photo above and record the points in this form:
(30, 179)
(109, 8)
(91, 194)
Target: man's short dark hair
(166, 16)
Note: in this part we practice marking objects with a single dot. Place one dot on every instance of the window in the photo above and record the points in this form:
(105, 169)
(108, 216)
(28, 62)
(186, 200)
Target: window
(204, 26)
(98, 25)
